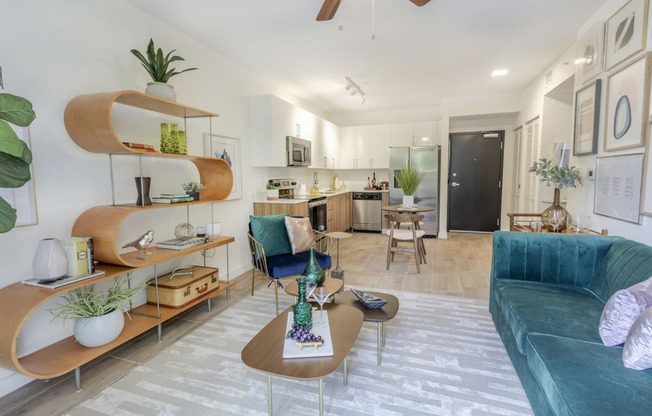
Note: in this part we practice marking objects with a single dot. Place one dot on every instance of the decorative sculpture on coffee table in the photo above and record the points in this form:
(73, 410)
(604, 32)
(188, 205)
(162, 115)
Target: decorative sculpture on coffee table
(313, 271)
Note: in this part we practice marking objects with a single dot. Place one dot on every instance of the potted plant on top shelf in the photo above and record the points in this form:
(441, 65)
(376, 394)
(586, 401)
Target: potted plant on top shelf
(156, 64)
(272, 191)
(192, 188)
(554, 217)
(15, 156)
(409, 179)
(99, 317)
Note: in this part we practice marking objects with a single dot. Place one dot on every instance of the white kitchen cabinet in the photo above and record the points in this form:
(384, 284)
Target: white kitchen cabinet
(326, 150)
(365, 147)
(271, 120)
(423, 133)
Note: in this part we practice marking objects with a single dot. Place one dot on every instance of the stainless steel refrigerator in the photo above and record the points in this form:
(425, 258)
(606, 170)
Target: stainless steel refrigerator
(427, 159)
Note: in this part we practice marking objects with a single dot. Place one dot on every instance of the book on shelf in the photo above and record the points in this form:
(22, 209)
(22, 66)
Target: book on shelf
(184, 195)
(167, 200)
(139, 145)
(76, 249)
(181, 243)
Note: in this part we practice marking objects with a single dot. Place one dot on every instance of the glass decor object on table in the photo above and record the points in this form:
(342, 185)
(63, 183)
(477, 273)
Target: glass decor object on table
(321, 295)
(313, 271)
(169, 140)
(302, 309)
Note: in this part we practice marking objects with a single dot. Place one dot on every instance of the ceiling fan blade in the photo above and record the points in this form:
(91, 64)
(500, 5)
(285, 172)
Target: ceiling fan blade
(420, 2)
(328, 10)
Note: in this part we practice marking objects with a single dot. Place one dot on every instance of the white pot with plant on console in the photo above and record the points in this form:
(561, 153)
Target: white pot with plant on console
(272, 191)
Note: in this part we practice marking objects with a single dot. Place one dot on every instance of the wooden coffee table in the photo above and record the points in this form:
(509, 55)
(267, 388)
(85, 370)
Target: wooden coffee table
(265, 351)
(380, 316)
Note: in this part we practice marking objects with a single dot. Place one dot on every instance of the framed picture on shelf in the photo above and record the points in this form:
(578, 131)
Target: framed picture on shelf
(626, 32)
(587, 119)
(618, 187)
(590, 54)
(628, 101)
(23, 199)
(227, 148)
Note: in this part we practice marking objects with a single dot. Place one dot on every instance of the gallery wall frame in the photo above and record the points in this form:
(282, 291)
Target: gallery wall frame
(587, 119)
(626, 32)
(23, 199)
(590, 54)
(618, 187)
(627, 104)
(646, 195)
(227, 148)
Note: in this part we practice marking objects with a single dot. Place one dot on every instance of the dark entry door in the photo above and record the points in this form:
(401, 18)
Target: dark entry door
(474, 181)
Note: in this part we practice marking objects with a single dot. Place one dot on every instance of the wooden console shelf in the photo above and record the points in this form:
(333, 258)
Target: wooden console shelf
(18, 302)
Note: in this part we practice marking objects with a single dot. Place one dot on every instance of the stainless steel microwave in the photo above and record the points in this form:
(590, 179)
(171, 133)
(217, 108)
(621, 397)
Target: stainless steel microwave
(298, 151)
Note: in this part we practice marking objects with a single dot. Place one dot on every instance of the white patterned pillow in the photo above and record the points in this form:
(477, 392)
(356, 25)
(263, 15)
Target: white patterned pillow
(637, 353)
(300, 234)
(622, 310)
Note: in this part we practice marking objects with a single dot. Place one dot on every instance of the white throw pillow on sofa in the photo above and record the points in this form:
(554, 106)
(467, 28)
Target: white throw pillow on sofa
(622, 310)
(637, 353)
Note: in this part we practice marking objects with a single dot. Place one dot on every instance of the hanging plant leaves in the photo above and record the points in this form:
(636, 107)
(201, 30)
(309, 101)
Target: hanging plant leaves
(16, 110)
(14, 172)
(7, 216)
(12, 145)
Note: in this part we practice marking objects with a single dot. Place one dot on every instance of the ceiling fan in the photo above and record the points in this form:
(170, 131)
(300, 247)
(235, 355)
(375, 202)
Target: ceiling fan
(329, 8)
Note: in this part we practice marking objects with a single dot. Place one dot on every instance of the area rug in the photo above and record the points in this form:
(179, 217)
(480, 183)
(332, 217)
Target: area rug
(442, 357)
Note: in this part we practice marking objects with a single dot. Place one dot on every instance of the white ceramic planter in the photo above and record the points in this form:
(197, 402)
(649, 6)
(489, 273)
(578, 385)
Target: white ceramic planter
(272, 194)
(161, 90)
(408, 201)
(99, 330)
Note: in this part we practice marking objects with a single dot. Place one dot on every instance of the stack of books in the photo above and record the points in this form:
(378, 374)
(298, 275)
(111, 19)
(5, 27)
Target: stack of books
(172, 198)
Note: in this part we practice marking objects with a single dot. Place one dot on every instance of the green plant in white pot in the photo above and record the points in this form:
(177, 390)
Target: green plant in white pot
(157, 66)
(99, 317)
(15, 156)
(272, 191)
(409, 179)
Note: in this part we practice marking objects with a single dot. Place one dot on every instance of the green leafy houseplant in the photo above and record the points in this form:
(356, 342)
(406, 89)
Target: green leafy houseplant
(85, 302)
(156, 63)
(192, 186)
(15, 156)
(560, 178)
(270, 185)
(409, 179)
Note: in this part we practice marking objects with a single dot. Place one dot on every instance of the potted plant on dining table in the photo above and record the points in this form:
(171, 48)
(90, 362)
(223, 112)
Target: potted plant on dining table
(409, 179)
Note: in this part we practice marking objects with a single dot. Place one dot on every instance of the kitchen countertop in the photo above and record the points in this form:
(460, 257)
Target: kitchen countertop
(326, 193)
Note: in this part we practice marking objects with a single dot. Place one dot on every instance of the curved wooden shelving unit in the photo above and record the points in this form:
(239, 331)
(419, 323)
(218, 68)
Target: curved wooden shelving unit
(18, 302)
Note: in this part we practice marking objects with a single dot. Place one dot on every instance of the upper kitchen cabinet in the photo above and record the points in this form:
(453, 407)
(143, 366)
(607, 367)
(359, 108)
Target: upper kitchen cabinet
(326, 150)
(271, 121)
(365, 147)
(424, 133)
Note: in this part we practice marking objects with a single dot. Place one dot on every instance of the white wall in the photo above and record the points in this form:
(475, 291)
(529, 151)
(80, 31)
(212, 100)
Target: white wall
(58, 50)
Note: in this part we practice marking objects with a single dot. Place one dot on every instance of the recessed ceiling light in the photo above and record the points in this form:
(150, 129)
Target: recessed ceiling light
(499, 72)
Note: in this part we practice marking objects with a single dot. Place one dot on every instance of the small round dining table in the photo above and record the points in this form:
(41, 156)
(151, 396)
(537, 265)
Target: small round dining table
(414, 209)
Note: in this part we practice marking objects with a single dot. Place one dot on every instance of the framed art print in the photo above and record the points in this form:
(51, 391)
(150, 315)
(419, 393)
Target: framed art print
(227, 148)
(618, 187)
(587, 118)
(626, 32)
(590, 54)
(628, 92)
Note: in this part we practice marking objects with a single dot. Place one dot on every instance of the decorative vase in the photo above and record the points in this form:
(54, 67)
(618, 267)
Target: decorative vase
(142, 186)
(408, 201)
(161, 90)
(182, 145)
(50, 261)
(169, 141)
(555, 213)
(302, 309)
(272, 194)
(99, 330)
(194, 195)
(213, 229)
(313, 271)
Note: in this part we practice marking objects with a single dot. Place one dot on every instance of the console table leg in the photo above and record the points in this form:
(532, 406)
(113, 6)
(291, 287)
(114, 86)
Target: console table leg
(159, 332)
(379, 341)
(321, 395)
(346, 372)
(77, 379)
(269, 394)
(209, 304)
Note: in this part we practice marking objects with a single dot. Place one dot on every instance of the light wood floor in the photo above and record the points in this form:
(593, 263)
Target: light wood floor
(457, 266)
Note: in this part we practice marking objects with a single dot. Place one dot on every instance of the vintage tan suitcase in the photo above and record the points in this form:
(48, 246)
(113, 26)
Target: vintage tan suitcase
(184, 285)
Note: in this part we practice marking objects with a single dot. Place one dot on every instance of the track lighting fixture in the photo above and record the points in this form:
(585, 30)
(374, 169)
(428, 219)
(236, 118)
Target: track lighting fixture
(354, 89)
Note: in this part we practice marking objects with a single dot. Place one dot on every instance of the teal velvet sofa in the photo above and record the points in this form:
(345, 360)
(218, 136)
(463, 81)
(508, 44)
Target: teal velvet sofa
(547, 292)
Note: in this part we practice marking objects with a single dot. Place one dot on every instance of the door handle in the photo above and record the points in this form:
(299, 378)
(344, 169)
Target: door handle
(454, 184)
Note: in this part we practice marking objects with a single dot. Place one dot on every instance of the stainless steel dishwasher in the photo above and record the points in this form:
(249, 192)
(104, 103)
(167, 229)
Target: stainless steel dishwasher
(367, 211)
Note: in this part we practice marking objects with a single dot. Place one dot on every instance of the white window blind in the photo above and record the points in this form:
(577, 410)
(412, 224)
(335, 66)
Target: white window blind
(530, 181)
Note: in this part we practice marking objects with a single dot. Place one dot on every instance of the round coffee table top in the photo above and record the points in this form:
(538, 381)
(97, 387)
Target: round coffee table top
(330, 284)
(384, 314)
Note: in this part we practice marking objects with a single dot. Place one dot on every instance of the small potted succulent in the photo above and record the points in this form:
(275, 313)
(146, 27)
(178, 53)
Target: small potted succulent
(192, 188)
(272, 191)
(156, 64)
(409, 179)
(99, 317)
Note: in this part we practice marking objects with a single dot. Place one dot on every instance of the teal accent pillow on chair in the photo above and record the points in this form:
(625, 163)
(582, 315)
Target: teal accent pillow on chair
(270, 231)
